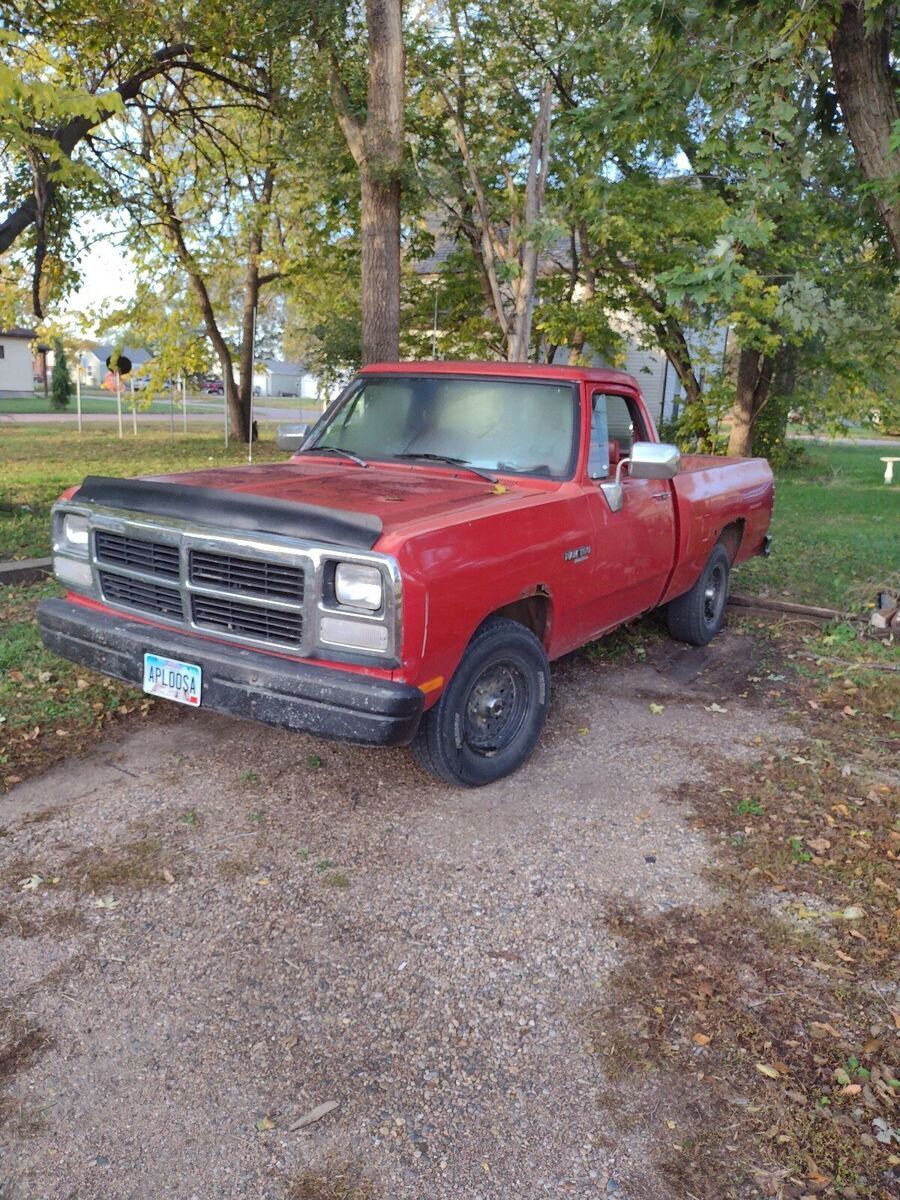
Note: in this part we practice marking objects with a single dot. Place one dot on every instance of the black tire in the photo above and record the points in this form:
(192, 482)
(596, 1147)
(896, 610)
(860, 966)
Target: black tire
(488, 721)
(698, 615)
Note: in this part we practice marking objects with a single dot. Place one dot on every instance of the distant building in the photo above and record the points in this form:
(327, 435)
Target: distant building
(92, 363)
(17, 366)
(277, 378)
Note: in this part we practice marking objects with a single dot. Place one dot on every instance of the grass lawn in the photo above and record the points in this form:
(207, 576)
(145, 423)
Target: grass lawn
(836, 530)
(47, 704)
(38, 461)
(103, 403)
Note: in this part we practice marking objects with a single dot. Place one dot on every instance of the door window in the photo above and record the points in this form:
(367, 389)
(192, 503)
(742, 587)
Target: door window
(615, 426)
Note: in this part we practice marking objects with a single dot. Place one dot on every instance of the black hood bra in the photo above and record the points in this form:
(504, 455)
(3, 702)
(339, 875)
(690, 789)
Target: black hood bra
(233, 510)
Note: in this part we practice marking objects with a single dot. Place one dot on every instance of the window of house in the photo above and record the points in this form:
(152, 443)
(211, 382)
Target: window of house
(2, 352)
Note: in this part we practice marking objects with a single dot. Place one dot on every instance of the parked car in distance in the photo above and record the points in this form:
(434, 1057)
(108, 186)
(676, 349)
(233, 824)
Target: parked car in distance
(213, 387)
(443, 533)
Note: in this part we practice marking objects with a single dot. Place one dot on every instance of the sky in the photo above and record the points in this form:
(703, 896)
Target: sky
(108, 276)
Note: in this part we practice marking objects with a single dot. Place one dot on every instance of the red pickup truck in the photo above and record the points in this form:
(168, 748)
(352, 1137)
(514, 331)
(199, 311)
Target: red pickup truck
(442, 534)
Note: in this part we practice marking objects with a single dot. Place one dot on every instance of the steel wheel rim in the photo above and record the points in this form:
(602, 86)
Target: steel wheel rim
(495, 708)
(714, 595)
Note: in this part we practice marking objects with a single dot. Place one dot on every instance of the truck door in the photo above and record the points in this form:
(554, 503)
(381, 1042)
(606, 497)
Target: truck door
(634, 549)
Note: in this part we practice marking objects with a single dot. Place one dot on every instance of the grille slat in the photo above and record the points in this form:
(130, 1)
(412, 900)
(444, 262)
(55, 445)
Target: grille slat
(154, 558)
(255, 577)
(248, 620)
(137, 593)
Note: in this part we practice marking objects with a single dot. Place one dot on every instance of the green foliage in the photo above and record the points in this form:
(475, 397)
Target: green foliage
(60, 383)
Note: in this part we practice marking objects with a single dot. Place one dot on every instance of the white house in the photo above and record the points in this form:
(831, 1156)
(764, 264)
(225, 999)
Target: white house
(93, 362)
(16, 361)
(276, 378)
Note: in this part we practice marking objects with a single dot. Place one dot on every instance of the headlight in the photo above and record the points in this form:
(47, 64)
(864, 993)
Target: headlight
(75, 532)
(358, 586)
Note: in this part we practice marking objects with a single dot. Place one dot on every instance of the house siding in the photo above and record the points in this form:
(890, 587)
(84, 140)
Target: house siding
(16, 367)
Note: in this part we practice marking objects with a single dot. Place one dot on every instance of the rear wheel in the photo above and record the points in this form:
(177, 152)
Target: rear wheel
(698, 615)
(487, 722)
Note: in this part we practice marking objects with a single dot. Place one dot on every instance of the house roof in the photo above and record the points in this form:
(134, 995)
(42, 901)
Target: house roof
(276, 367)
(137, 356)
(18, 331)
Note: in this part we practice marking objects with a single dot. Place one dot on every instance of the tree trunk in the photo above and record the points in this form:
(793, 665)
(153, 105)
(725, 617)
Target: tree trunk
(380, 183)
(519, 342)
(380, 235)
(866, 85)
(252, 284)
(754, 377)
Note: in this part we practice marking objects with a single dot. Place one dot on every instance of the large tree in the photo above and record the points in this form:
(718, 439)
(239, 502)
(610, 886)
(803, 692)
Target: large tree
(864, 57)
(363, 61)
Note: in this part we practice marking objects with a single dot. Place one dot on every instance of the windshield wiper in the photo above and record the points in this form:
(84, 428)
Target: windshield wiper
(360, 462)
(454, 462)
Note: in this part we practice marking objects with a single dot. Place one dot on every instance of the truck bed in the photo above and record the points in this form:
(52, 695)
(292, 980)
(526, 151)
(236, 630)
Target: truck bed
(712, 493)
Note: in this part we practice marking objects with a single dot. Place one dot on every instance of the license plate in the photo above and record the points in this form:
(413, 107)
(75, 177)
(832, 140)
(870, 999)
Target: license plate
(171, 679)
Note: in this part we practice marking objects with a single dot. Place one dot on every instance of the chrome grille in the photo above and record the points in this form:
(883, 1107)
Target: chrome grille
(247, 620)
(138, 593)
(253, 577)
(153, 558)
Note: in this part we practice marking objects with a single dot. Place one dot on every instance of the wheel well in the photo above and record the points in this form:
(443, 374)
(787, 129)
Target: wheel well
(731, 537)
(531, 611)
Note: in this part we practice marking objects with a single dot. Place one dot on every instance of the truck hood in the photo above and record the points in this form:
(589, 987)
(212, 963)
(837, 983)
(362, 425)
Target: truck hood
(396, 495)
(336, 502)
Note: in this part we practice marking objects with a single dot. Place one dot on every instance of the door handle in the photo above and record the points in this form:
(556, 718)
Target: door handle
(660, 496)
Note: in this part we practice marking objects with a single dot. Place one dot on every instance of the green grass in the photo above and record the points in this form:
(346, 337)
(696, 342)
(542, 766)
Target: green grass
(38, 461)
(836, 529)
(49, 706)
(104, 403)
(90, 403)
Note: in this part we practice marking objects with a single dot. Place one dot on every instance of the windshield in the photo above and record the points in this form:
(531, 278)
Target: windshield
(514, 426)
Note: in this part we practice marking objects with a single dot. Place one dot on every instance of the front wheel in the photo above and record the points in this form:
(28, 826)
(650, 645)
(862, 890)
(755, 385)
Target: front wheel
(698, 615)
(488, 721)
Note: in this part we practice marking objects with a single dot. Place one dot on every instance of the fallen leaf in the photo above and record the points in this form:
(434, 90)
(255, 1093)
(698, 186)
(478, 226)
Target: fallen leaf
(819, 844)
(853, 912)
(31, 883)
(823, 1029)
(702, 1039)
(167, 875)
(320, 1111)
(106, 902)
(264, 1124)
(716, 708)
(852, 1089)
(656, 709)
(765, 1069)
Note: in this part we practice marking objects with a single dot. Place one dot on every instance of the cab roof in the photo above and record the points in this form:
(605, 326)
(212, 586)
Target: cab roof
(505, 370)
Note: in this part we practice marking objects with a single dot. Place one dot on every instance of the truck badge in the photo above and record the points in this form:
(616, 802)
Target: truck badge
(579, 554)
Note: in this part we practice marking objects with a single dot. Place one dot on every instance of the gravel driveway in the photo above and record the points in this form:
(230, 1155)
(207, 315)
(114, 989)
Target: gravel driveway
(226, 927)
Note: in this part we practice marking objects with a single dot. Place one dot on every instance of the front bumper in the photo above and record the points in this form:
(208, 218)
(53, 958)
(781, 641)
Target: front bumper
(242, 683)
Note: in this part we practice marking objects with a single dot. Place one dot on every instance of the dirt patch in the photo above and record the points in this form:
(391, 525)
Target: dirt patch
(135, 864)
(339, 1183)
(21, 1043)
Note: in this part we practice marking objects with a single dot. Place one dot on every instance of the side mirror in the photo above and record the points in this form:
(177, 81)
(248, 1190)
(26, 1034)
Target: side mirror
(648, 460)
(653, 460)
(291, 437)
